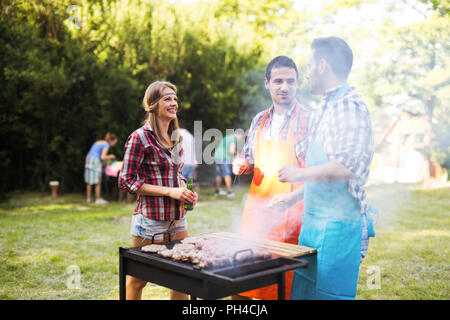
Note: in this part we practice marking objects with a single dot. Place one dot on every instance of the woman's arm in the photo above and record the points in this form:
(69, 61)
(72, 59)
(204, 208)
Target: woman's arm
(132, 159)
(177, 193)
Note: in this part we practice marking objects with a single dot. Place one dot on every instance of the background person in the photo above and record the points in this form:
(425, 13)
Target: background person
(93, 166)
(152, 169)
(223, 156)
(274, 139)
(188, 145)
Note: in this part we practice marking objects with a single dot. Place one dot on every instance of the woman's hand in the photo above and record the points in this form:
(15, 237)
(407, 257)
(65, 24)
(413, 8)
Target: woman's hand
(183, 194)
(195, 200)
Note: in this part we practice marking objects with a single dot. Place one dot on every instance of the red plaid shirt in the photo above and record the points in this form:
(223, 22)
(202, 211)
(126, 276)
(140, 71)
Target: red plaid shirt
(146, 161)
(301, 130)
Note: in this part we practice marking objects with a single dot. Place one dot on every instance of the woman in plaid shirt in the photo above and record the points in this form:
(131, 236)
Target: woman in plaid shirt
(152, 169)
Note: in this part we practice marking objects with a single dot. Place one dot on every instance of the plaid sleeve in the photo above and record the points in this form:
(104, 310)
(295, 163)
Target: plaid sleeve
(247, 151)
(303, 129)
(129, 179)
(350, 135)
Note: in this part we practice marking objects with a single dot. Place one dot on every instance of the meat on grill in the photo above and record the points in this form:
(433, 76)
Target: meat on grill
(209, 252)
(153, 248)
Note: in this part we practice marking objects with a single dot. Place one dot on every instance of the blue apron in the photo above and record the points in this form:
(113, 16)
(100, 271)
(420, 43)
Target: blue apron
(332, 223)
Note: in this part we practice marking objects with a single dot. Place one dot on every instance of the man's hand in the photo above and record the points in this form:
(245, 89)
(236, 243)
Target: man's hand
(282, 201)
(240, 166)
(289, 173)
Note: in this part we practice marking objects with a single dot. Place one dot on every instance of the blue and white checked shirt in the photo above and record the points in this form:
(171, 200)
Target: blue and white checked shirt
(347, 137)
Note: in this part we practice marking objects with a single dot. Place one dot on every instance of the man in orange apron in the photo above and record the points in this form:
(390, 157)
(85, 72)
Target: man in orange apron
(271, 144)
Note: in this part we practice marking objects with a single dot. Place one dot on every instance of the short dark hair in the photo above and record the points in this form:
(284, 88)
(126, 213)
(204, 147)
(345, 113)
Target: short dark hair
(279, 62)
(336, 52)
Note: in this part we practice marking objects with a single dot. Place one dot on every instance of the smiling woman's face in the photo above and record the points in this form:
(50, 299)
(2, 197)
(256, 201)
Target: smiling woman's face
(168, 105)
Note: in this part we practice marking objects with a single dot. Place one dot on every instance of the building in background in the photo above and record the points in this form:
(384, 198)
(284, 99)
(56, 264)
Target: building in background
(401, 150)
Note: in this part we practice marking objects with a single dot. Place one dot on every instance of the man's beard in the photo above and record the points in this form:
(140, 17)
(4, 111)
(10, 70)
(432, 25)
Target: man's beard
(287, 104)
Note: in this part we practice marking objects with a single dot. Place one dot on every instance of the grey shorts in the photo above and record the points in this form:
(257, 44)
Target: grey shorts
(144, 227)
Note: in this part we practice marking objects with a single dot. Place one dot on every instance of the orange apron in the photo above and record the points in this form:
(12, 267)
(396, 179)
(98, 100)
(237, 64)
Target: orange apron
(258, 221)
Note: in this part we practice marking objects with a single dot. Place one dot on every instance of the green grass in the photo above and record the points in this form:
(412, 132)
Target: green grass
(410, 249)
(41, 238)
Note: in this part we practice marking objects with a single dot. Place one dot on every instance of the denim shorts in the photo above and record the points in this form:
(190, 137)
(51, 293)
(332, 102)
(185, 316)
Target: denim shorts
(223, 169)
(144, 227)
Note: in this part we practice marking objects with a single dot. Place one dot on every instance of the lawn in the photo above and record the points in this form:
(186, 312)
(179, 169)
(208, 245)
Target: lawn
(45, 242)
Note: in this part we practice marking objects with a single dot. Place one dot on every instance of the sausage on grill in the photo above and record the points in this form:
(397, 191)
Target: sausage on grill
(209, 253)
(153, 248)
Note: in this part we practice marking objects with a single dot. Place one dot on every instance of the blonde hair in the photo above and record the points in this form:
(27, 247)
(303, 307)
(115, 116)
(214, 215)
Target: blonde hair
(150, 103)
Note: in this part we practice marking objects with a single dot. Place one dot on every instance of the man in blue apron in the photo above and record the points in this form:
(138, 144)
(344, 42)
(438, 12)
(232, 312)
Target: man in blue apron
(339, 151)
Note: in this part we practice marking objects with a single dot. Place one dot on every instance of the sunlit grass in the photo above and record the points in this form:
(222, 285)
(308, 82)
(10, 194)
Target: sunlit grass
(410, 249)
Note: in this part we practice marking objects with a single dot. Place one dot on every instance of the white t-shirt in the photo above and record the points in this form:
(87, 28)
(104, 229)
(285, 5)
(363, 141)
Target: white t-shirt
(273, 131)
(188, 147)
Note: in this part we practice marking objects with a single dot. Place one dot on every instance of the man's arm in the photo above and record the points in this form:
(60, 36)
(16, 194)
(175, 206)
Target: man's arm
(331, 171)
(232, 150)
(282, 201)
(244, 164)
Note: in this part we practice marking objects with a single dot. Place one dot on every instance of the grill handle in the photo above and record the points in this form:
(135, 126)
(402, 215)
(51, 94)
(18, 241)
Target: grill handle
(291, 263)
(239, 252)
(163, 233)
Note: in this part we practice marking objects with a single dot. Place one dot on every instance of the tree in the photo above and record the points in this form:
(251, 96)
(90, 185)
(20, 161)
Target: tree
(72, 70)
(419, 67)
(405, 65)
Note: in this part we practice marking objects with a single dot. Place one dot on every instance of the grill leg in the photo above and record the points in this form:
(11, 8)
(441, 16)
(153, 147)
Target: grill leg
(193, 297)
(122, 276)
(281, 287)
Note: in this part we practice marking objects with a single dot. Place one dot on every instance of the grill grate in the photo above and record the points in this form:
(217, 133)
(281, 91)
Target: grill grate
(218, 282)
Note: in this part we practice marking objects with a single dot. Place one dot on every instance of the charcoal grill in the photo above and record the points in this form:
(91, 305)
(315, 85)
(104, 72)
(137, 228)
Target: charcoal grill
(213, 283)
